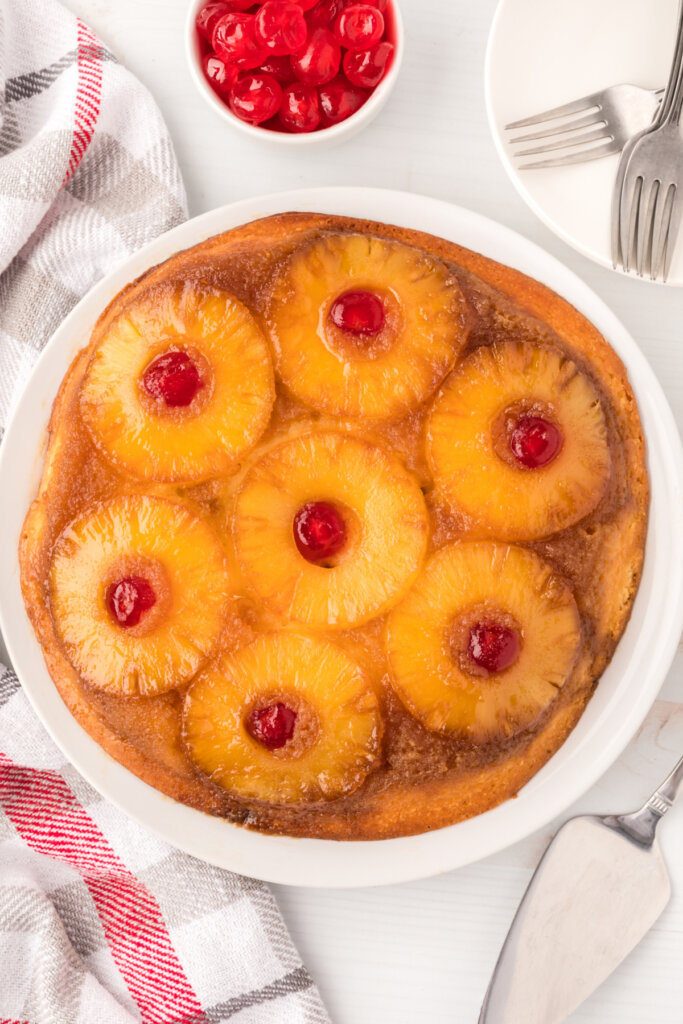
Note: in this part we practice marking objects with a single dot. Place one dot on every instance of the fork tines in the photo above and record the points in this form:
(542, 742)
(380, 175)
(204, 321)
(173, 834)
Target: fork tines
(581, 138)
(648, 225)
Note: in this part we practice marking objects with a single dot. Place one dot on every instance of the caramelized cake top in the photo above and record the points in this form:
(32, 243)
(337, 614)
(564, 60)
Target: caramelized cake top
(357, 516)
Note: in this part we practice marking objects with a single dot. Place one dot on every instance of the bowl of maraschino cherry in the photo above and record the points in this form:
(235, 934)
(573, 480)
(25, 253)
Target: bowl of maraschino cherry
(295, 72)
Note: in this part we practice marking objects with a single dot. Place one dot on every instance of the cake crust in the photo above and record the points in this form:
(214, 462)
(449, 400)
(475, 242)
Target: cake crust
(426, 781)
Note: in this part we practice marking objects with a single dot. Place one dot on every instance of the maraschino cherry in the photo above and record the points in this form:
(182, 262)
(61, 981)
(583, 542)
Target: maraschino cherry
(359, 26)
(366, 68)
(295, 42)
(255, 98)
(279, 67)
(358, 312)
(208, 16)
(319, 531)
(318, 61)
(300, 109)
(172, 378)
(493, 647)
(280, 26)
(128, 599)
(340, 99)
(324, 13)
(272, 726)
(219, 74)
(535, 441)
(234, 40)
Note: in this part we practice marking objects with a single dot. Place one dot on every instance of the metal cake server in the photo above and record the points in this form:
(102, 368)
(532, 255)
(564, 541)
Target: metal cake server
(601, 885)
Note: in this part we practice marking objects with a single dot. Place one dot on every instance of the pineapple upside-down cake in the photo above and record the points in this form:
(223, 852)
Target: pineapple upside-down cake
(339, 526)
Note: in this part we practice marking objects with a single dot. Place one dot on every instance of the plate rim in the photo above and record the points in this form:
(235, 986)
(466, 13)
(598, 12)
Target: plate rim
(318, 862)
(516, 180)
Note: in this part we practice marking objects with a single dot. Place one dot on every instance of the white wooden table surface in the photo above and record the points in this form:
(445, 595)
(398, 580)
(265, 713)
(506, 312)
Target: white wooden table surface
(424, 951)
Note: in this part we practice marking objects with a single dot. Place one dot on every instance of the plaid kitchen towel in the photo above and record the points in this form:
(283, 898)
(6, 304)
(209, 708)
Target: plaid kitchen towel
(100, 922)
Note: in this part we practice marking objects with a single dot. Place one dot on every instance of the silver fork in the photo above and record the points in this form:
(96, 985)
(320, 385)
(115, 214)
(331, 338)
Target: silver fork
(646, 202)
(610, 117)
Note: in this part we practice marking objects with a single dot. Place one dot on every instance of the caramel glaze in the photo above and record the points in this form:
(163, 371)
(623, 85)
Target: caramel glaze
(426, 781)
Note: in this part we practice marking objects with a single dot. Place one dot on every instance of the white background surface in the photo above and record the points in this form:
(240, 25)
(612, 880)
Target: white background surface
(424, 951)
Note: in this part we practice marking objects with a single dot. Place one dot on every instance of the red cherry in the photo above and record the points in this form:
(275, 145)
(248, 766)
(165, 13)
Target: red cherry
(535, 441)
(318, 62)
(219, 75)
(280, 26)
(306, 5)
(325, 12)
(235, 42)
(381, 5)
(208, 16)
(279, 67)
(493, 647)
(172, 378)
(359, 27)
(358, 312)
(366, 67)
(255, 98)
(128, 599)
(300, 109)
(272, 726)
(319, 531)
(339, 100)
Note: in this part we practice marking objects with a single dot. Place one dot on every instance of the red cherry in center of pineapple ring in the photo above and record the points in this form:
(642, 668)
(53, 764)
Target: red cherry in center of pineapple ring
(272, 726)
(294, 65)
(535, 441)
(172, 378)
(493, 647)
(128, 599)
(359, 312)
(319, 531)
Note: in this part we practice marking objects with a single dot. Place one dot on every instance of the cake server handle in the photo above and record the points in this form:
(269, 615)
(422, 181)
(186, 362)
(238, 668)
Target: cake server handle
(640, 826)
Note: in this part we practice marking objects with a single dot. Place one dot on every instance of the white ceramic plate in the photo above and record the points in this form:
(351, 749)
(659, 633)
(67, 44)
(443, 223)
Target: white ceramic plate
(623, 696)
(542, 54)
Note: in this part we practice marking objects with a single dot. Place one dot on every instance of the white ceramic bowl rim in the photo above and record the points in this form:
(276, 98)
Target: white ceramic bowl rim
(623, 696)
(323, 137)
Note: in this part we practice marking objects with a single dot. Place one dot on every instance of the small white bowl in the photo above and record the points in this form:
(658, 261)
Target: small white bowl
(324, 136)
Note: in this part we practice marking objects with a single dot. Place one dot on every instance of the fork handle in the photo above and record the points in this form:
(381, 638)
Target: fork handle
(672, 90)
(674, 115)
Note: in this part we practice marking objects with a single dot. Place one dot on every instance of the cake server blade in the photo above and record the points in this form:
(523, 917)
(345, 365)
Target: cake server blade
(601, 885)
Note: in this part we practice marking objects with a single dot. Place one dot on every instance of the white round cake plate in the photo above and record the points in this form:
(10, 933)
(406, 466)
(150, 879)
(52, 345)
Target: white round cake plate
(541, 55)
(623, 696)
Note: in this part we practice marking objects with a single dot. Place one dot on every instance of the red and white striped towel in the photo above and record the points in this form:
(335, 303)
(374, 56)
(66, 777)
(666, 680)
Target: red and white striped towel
(100, 922)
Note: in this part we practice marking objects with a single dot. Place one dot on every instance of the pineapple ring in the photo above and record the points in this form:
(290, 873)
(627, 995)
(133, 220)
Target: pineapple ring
(388, 511)
(425, 329)
(231, 411)
(187, 566)
(498, 498)
(432, 683)
(346, 743)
